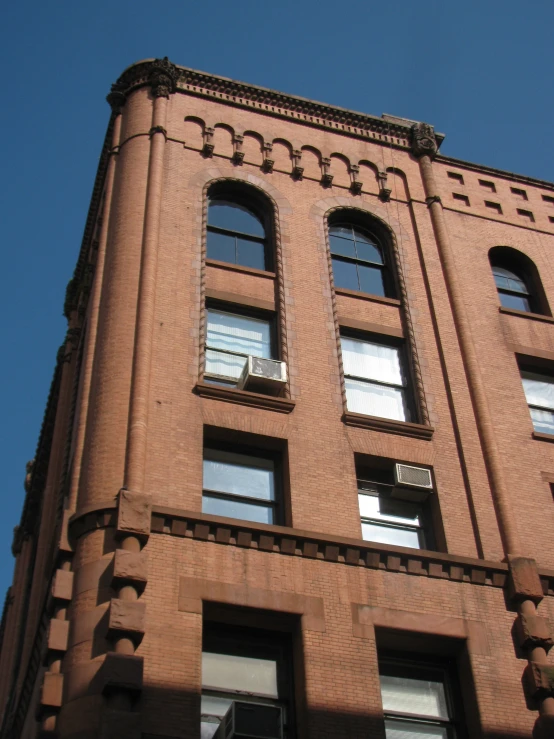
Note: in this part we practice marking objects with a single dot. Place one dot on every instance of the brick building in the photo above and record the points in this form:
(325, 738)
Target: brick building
(296, 462)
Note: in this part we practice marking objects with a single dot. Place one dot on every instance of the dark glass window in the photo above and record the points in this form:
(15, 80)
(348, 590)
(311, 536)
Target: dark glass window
(358, 262)
(419, 700)
(242, 482)
(512, 290)
(236, 235)
(539, 392)
(248, 665)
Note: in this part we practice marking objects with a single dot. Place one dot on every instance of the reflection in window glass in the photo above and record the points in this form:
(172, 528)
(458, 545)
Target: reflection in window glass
(389, 521)
(539, 392)
(357, 260)
(236, 235)
(512, 290)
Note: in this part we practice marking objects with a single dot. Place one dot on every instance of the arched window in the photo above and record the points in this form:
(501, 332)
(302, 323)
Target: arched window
(237, 229)
(517, 281)
(358, 259)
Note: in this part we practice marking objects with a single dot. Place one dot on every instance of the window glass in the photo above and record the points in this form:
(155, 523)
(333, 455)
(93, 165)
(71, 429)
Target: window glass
(250, 254)
(234, 217)
(371, 280)
(232, 672)
(375, 400)
(345, 275)
(412, 695)
(389, 509)
(515, 302)
(383, 534)
(395, 729)
(238, 508)
(539, 389)
(506, 280)
(341, 245)
(543, 421)
(221, 247)
(232, 332)
(368, 252)
(371, 361)
(239, 474)
(224, 365)
(389, 521)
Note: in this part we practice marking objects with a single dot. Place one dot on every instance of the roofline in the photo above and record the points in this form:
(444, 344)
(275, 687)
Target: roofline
(504, 173)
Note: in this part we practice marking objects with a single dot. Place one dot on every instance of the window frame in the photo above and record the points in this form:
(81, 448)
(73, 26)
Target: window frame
(523, 267)
(523, 294)
(380, 244)
(236, 194)
(275, 456)
(541, 374)
(262, 644)
(244, 312)
(406, 389)
(382, 490)
(415, 666)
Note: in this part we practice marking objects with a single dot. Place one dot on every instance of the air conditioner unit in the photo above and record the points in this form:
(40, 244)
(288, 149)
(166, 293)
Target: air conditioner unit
(260, 375)
(412, 483)
(246, 720)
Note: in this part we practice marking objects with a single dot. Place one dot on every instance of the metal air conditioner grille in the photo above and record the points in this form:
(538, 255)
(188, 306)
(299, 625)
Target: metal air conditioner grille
(416, 476)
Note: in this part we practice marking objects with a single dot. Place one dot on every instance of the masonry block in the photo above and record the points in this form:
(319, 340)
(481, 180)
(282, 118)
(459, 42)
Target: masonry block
(134, 514)
(126, 617)
(130, 567)
(58, 634)
(532, 631)
(120, 725)
(121, 672)
(52, 690)
(538, 680)
(62, 585)
(523, 580)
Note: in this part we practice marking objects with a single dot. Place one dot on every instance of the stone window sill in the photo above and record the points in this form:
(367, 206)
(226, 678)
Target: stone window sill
(543, 437)
(389, 426)
(525, 314)
(243, 397)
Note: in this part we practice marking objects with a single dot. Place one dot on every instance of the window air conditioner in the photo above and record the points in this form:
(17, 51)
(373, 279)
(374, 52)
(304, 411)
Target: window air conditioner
(251, 721)
(260, 375)
(412, 483)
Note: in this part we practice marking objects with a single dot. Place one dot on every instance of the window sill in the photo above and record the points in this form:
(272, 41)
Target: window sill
(240, 268)
(543, 437)
(367, 296)
(243, 397)
(388, 426)
(525, 314)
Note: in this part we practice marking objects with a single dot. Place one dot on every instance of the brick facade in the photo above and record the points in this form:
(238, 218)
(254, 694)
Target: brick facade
(115, 562)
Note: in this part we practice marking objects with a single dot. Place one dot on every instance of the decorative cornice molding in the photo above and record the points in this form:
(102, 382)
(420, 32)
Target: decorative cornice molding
(269, 102)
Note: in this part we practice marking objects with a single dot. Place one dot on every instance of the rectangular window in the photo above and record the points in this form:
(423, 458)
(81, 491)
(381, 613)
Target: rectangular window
(488, 185)
(494, 206)
(539, 392)
(375, 379)
(247, 665)
(462, 198)
(418, 700)
(519, 193)
(241, 485)
(548, 199)
(456, 176)
(230, 339)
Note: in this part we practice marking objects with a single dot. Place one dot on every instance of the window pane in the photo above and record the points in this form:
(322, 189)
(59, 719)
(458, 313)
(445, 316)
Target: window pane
(539, 390)
(345, 275)
(515, 302)
(374, 361)
(390, 535)
(508, 280)
(231, 672)
(543, 421)
(236, 333)
(371, 280)
(251, 254)
(239, 474)
(212, 705)
(344, 231)
(388, 509)
(412, 730)
(342, 246)
(237, 509)
(221, 246)
(411, 695)
(369, 252)
(375, 400)
(227, 365)
(233, 217)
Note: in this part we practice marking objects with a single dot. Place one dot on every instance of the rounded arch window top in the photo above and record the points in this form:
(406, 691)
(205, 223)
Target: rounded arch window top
(517, 281)
(354, 242)
(238, 228)
(507, 280)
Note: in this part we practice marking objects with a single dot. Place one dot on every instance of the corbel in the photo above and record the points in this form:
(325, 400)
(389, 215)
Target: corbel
(384, 191)
(297, 168)
(268, 162)
(238, 153)
(355, 184)
(523, 581)
(126, 619)
(134, 514)
(208, 148)
(326, 176)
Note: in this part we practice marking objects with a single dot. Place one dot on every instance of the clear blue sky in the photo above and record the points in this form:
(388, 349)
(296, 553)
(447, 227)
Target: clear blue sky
(480, 71)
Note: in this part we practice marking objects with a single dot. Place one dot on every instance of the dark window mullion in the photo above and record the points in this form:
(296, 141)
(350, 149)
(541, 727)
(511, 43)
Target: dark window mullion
(234, 496)
(375, 382)
(392, 524)
(228, 351)
(541, 407)
(240, 234)
(357, 260)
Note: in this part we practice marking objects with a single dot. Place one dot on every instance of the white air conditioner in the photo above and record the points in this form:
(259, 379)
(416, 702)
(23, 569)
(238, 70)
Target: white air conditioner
(245, 720)
(412, 483)
(261, 375)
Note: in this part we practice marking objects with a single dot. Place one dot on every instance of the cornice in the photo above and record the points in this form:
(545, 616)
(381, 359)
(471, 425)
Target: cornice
(391, 130)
